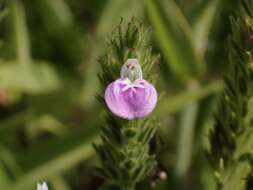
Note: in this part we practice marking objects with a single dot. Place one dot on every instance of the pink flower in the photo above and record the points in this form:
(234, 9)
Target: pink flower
(131, 96)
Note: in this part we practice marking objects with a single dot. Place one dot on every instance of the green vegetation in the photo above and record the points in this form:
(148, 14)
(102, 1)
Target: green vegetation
(50, 117)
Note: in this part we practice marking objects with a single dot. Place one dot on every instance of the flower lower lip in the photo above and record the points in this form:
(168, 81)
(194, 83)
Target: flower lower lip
(132, 100)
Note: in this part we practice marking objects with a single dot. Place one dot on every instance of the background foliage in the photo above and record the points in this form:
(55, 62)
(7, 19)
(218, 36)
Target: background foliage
(49, 116)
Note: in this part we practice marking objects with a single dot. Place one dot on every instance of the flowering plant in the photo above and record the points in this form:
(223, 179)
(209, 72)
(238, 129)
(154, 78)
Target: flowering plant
(231, 137)
(124, 151)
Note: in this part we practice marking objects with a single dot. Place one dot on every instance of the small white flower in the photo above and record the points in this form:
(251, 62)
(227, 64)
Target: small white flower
(42, 186)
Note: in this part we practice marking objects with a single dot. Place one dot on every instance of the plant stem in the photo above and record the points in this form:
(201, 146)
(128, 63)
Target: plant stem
(184, 151)
(20, 33)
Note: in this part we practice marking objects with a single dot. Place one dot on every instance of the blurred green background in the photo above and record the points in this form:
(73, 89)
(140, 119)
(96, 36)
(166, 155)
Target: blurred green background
(49, 116)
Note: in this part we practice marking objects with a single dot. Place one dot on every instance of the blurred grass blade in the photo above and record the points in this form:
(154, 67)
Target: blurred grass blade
(174, 37)
(60, 10)
(167, 41)
(185, 142)
(32, 79)
(56, 14)
(21, 75)
(202, 26)
(9, 162)
(172, 104)
(59, 183)
(57, 146)
(20, 33)
(53, 167)
(175, 13)
(48, 123)
(114, 11)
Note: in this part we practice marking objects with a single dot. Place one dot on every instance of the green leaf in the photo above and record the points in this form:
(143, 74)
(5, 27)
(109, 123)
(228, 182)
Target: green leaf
(56, 12)
(174, 37)
(171, 104)
(186, 136)
(31, 79)
(10, 162)
(57, 164)
(19, 33)
(202, 26)
(24, 75)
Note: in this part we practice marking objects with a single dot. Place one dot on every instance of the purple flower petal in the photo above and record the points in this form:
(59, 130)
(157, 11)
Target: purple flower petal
(130, 100)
